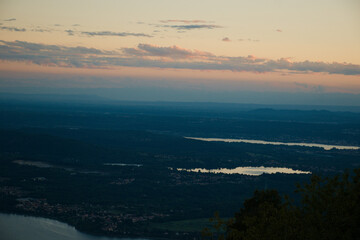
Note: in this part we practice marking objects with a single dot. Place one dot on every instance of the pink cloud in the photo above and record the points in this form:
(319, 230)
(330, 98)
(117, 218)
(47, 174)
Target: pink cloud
(174, 52)
(152, 56)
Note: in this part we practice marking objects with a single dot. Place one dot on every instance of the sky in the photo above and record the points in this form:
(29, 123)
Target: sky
(259, 51)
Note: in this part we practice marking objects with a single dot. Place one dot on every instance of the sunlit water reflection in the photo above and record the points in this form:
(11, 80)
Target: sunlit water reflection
(253, 171)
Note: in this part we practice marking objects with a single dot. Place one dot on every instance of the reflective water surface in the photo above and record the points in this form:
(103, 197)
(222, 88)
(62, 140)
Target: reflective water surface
(17, 227)
(253, 171)
(230, 140)
(123, 164)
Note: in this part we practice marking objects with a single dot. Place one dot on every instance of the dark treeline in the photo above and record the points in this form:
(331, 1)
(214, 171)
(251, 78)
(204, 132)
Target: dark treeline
(328, 209)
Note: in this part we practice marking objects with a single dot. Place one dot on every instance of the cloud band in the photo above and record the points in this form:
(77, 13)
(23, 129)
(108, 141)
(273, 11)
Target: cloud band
(146, 55)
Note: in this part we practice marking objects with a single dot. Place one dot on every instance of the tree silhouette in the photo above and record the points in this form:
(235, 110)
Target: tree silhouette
(329, 209)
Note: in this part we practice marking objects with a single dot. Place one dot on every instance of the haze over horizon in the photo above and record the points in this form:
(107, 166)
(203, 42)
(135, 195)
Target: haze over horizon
(263, 52)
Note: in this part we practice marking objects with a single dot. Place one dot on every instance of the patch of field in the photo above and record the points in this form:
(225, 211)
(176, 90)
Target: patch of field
(191, 225)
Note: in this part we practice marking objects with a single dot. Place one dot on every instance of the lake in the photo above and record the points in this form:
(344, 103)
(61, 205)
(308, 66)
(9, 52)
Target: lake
(17, 227)
(123, 164)
(253, 171)
(230, 140)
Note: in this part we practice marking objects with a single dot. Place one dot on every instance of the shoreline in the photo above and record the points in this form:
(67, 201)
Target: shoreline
(90, 234)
